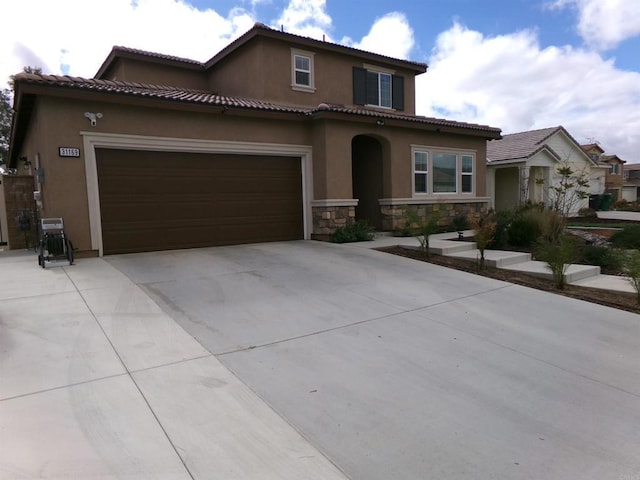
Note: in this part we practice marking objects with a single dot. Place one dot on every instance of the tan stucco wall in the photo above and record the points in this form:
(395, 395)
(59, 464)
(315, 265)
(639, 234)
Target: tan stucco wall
(58, 122)
(128, 70)
(507, 188)
(269, 77)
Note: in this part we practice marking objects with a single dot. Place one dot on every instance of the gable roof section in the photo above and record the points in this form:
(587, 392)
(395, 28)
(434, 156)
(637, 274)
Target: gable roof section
(524, 145)
(260, 29)
(590, 146)
(609, 159)
(118, 52)
(257, 30)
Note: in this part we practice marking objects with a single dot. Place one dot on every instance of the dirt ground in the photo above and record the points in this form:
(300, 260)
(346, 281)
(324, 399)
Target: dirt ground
(622, 301)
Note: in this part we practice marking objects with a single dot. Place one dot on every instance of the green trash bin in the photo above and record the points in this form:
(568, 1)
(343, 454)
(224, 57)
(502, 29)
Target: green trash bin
(607, 200)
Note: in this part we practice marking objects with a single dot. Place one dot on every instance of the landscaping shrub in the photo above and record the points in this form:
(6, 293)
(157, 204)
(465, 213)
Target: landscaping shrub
(604, 257)
(558, 256)
(501, 234)
(631, 268)
(523, 230)
(460, 223)
(588, 213)
(483, 230)
(628, 237)
(360, 231)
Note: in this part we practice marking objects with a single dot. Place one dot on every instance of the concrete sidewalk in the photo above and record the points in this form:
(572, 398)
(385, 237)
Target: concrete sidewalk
(98, 382)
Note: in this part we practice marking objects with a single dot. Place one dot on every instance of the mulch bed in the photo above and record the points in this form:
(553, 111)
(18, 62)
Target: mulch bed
(622, 301)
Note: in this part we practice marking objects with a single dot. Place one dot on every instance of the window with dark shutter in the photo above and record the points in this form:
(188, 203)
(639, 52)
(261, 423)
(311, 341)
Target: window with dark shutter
(378, 88)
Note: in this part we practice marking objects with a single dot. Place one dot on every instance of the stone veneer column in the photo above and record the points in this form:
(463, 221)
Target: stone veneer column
(328, 215)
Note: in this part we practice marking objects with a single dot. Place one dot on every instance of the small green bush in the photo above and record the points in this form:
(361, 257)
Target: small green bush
(460, 223)
(631, 268)
(558, 256)
(523, 231)
(501, 234)
(604, 257)
(628, 237)
(587, 213)
(358, 232)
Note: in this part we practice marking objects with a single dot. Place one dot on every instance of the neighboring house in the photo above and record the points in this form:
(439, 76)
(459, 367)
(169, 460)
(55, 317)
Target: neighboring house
(276, 137)
(631, 175)
(522, 167)
(614, 167)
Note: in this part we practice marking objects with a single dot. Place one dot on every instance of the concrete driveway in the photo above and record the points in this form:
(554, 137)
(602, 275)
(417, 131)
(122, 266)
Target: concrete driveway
(312, 360)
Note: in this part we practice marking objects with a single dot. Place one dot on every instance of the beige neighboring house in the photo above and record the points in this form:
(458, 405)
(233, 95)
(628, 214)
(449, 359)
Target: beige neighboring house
(614, 168)
(631, 175)
(522, 167)
(276, 137)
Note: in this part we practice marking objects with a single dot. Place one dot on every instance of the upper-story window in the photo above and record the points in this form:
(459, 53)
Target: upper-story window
(378, 87)
(615, 168)
(302, 71)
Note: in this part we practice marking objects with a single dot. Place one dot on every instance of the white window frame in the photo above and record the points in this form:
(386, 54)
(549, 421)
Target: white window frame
(300, 87)
(466, 174)
(380, 72)
(421, 172)
(431, 152)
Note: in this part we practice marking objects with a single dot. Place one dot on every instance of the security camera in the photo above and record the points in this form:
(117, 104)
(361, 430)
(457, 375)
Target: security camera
(93, 117)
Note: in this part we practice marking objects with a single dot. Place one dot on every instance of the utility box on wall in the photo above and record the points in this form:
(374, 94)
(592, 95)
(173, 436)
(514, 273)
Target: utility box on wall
(17, 212)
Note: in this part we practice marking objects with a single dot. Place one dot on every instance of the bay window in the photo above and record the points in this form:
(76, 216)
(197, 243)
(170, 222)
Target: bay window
(451, 172)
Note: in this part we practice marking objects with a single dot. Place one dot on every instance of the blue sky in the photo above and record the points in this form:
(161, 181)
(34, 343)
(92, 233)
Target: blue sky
(514, 64)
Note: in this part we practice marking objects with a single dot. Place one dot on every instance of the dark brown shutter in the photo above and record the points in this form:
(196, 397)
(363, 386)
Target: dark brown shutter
(373, 98)
(397, 87)
(359, 86)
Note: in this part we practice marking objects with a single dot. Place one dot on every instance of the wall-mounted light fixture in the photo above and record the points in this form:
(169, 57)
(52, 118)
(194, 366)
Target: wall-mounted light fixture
(380, 123)
(93, 117)
(26, 163)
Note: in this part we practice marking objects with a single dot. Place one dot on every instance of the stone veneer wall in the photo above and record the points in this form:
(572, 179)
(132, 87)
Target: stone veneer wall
(327, 219)
(393, 216)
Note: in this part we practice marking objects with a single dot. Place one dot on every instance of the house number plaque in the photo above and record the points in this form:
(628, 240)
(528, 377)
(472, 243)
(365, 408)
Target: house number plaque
(69, 152)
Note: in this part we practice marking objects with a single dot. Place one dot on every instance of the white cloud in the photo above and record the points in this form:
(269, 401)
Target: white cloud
(510, 82)
(603, 24)
(307, 18)
(75, 36)
(390, 35)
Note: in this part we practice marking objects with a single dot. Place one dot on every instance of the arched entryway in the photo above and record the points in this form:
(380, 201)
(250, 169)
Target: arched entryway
(367, 177)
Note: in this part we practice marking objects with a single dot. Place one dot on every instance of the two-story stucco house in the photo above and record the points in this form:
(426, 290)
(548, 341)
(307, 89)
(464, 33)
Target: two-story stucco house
(276, 137)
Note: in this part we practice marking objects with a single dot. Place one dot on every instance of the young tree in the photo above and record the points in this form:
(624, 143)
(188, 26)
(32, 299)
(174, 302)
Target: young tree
(6, 113)
(571, 189)
(484, 228)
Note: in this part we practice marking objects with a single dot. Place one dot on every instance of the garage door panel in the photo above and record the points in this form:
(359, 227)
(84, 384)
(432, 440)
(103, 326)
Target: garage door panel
(169, 200)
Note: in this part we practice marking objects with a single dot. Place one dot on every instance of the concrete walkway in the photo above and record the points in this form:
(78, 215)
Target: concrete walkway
(445, 244)
(96, 381)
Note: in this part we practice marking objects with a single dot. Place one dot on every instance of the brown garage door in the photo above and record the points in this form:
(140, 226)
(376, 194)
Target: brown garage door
(167, 200)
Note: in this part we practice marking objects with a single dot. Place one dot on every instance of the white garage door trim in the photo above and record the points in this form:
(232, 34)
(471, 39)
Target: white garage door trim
(92, 140)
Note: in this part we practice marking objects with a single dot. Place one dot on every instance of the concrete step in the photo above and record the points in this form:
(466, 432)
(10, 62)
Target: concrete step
(574, 273)
(448, 247)
(493, 258)
(611, 283)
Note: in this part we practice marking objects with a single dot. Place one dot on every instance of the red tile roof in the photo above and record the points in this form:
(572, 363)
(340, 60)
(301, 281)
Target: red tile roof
(161, 92)
(262, 29)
